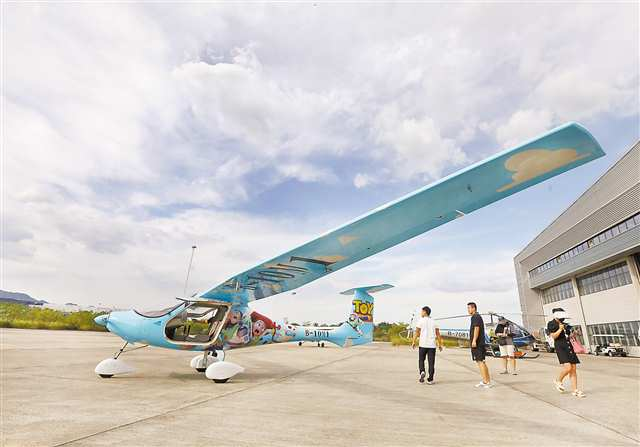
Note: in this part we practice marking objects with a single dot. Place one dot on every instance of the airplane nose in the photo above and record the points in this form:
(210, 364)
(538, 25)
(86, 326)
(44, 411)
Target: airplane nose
(102, 319)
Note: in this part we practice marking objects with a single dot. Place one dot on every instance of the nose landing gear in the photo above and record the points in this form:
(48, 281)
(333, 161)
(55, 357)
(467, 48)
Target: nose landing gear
(114, 366)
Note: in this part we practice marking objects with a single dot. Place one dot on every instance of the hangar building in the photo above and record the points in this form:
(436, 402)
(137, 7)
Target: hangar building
(587, 261)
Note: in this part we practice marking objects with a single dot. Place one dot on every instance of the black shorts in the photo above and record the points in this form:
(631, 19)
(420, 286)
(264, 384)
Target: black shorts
(565, 353)
(478, 354)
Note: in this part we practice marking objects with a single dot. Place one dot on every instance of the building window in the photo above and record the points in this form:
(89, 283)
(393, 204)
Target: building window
(609, 233)
(625, 332)
(558, 292)
(608, 278)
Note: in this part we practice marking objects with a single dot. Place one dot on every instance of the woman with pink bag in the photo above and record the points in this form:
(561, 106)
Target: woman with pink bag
(561, 332)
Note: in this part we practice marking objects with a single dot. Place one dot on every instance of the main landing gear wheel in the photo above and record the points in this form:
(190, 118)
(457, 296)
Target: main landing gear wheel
(220, 372)
(200, 363)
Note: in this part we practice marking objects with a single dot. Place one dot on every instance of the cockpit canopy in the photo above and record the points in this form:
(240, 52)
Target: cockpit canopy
(159, 313)
(199, 322)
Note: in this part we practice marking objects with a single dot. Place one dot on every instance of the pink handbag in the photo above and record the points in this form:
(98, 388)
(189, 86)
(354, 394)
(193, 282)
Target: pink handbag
(577, 346)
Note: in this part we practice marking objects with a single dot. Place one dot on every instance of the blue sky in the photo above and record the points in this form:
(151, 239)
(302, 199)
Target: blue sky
(133, 131)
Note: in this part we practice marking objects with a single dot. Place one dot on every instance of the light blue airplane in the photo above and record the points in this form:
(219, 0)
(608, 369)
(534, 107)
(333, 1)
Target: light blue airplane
(221, 319)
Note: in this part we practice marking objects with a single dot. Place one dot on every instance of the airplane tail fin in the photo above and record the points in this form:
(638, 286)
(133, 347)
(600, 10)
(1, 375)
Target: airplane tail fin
(361, 317)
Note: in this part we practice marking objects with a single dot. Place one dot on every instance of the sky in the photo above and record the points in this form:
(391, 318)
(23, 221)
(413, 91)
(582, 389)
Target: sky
(131, 132)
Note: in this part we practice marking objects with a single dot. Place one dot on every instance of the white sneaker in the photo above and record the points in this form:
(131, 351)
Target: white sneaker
(480, 385)
(559, 386)
(489, 385)
(579, 393)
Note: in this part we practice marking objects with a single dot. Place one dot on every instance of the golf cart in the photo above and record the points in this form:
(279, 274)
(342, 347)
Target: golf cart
(612, 349)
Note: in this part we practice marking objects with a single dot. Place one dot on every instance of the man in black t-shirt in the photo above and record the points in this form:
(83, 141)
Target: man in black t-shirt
(477, 340)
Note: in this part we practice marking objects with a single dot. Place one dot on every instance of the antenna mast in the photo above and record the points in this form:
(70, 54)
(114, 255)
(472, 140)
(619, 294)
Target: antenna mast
(186, 281)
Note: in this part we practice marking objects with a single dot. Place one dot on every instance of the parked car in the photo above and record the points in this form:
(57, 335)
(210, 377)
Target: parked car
(613, 349)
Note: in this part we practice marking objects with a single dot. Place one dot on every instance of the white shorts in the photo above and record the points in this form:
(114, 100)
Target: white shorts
(506, 351)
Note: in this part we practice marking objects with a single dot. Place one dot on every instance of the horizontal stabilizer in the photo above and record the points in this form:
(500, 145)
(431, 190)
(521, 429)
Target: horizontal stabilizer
(368, 289)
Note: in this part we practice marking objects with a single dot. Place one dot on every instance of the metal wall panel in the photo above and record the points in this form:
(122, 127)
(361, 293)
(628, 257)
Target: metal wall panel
(609, 215)
(613, 197)
(619, 245)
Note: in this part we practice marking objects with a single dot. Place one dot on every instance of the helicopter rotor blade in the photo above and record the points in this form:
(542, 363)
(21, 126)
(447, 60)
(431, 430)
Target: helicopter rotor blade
(496, 314)
(455, 316)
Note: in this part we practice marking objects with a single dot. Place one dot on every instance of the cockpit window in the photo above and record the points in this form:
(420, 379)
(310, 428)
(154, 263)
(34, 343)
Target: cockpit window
(515, 330)
(197, 323)
(158, 313)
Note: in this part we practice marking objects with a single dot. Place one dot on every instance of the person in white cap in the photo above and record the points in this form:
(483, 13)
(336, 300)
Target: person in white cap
(560, 332)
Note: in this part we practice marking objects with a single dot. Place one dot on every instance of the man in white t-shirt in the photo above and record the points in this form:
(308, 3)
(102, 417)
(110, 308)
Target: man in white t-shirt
(429, 333)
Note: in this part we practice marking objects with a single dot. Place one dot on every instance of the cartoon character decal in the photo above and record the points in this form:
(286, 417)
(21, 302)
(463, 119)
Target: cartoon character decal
(283, 333)
(355, 322)
(245, 327)
(237, 329)
(262, 329)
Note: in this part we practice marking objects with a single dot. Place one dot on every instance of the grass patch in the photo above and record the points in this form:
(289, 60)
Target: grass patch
(396, 334)
(20, 316)
(387, 331)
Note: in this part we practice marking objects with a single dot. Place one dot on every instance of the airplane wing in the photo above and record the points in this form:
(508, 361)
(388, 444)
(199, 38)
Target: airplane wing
(469, 189)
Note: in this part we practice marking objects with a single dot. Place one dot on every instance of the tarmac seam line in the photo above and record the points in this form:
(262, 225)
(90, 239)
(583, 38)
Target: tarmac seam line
(203, 401)
(551, 404)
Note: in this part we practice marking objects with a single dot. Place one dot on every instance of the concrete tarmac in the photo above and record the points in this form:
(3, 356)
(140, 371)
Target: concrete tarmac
(292, 395)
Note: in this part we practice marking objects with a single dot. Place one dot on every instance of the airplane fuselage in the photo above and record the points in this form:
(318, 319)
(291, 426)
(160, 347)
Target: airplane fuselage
(223, 327)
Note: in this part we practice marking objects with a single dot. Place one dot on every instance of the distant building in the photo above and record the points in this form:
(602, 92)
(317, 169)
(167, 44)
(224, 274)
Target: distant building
(587, 261)
(73, 307)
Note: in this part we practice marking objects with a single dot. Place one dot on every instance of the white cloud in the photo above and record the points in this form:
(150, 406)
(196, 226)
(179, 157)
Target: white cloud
(414, 144)
(240, 101)
(362, 180)
(523, 124)
(574, 93)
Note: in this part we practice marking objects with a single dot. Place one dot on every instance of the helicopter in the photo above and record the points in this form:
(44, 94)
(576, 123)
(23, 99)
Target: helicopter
(521, 336)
